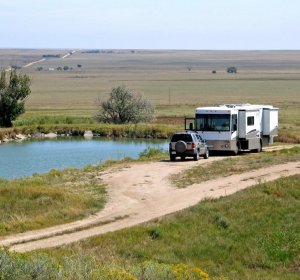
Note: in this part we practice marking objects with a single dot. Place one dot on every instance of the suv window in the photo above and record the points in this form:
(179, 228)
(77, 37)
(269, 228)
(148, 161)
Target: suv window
(198, 137)
(182, 137)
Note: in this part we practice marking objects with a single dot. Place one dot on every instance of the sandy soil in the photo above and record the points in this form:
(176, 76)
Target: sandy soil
(141, 192)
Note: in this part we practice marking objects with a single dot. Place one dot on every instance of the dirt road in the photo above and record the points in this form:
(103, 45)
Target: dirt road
(140, 192)
(34, 62)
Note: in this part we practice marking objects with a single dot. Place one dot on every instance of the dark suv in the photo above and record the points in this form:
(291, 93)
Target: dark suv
(187, 144)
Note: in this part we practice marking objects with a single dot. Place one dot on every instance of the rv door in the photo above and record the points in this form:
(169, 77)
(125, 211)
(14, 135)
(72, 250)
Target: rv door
(242, 124)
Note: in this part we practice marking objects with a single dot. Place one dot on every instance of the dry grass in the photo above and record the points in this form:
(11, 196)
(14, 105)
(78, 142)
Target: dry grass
(270, 77)
(235, 165)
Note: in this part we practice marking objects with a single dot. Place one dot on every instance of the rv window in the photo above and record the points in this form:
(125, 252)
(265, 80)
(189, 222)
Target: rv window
(213, 122)
(250, 121)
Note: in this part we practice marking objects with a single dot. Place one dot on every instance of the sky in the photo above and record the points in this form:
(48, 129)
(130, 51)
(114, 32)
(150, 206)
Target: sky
(151, 24)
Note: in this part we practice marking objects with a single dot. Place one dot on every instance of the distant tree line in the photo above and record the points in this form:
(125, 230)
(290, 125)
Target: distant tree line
(51, 55)
(98, 51)
(16, 67)
(59, 68)
(91, 51)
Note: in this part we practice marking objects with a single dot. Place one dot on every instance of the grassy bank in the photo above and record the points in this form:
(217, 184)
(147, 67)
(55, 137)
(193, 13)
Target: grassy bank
(169, 118)
(157, 131)
(253, 234)
(235, 165)
(57, 197)
(45, 200)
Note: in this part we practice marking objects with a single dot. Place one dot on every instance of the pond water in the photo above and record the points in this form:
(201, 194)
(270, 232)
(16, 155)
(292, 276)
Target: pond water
(25, 158)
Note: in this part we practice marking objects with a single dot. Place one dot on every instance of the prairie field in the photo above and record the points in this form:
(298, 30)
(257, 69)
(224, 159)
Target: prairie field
(175, 81)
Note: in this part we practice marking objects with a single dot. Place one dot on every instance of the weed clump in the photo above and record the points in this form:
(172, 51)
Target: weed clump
(220, 221)
(152, 153)
(154, 233)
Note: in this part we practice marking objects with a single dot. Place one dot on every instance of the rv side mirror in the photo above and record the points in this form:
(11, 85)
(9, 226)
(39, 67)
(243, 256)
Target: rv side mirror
(191, 126)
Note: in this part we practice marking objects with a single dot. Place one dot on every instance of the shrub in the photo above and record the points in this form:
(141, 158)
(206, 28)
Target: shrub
(231, 70)
(154, 233)
(124, 106)
(221, 222)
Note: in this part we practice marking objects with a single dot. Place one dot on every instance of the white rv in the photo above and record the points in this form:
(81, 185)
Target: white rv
(236, 127)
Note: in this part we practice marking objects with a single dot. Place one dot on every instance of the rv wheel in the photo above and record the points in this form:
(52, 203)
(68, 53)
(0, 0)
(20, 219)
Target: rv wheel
(258, 150)
(236, 151)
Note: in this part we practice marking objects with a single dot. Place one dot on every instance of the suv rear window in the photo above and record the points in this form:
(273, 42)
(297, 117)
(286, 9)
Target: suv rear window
(182, 137)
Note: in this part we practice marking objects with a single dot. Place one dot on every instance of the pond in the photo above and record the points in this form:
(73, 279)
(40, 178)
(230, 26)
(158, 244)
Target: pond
(20, 159)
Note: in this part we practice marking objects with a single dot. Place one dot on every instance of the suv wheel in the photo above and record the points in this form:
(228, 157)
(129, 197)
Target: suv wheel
(196, 156)
(172, 158)
(206, 155)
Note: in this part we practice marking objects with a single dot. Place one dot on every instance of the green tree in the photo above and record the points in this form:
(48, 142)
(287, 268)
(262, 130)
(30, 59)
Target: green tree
(124, 106)
(13, 92)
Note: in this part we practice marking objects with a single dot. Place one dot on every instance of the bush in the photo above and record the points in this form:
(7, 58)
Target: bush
(124, 106)
(154, 233)
(231, 70)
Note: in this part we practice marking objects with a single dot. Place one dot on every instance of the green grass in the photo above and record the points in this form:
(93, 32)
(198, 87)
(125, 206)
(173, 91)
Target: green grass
(153, 154)
(253, 234)
(38, 267)
(235, 165)
(44, 200)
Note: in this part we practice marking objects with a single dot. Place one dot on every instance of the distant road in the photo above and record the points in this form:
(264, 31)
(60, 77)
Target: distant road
(34, 62)
(68, 54)
(40, 60)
